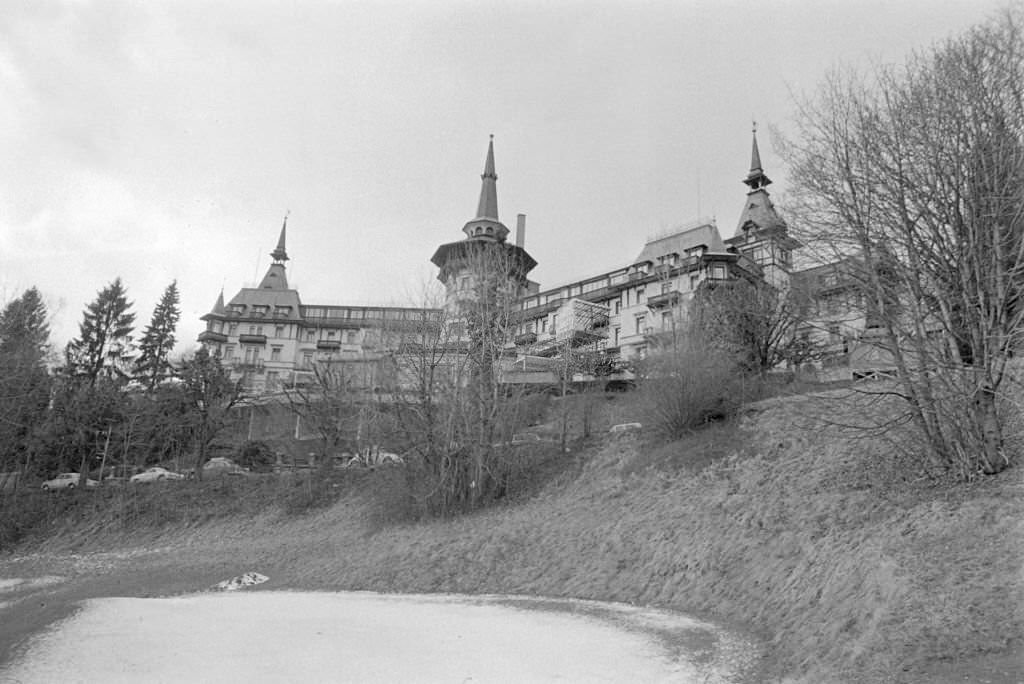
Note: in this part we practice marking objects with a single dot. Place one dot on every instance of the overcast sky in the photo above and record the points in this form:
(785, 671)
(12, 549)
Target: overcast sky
(165, 140)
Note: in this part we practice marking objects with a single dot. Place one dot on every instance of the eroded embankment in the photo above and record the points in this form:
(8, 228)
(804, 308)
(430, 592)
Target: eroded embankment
(814, 539)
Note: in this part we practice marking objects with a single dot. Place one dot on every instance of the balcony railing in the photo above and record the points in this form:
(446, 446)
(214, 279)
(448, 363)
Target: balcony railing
(252, 339)
(212, 336)
(665, 299)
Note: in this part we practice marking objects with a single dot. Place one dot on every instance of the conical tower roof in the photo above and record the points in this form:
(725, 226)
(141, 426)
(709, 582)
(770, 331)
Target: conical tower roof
(759, 212)
(218, 306)
(486, 225)
(756, 179)
(280, 254)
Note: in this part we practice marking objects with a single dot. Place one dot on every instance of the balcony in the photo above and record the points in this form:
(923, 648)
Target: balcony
(526, 338)
(211, 336)
(248, 366)
(663, 300)
(331, 345)
(252, 339)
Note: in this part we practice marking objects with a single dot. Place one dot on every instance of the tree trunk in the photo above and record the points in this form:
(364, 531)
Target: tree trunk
(992, 458)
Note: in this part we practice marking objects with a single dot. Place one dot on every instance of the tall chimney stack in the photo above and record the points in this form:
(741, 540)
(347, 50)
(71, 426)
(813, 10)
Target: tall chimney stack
(520, 229)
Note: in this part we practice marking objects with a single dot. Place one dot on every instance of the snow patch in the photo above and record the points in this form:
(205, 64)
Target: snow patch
(362, 637)
(11, 584)
(249, 579)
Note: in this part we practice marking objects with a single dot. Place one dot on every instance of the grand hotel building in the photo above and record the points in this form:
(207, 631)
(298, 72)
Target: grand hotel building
(271, 339)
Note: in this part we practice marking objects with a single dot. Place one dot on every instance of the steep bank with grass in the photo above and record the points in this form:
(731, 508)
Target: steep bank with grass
(824, 544)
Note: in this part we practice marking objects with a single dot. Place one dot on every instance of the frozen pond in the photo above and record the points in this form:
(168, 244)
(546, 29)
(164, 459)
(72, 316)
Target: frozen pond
(265, 636)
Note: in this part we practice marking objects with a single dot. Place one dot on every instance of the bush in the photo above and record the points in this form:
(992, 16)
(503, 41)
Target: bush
(688, 386)
(257, 456)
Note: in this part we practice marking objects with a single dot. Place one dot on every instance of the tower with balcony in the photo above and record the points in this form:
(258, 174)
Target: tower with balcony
(483, 274)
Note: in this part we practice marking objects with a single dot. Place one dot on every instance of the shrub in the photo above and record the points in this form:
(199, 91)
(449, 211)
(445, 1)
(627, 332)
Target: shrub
(257, 456)
(690, 385)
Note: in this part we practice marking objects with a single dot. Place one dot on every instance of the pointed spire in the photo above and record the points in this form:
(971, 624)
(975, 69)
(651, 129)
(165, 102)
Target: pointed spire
(486, 225)
(279, 254)
(218, 306)
(488, 206)
(756, 179)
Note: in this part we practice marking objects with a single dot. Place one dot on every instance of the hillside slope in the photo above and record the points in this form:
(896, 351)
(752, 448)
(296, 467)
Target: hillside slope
(815, 539)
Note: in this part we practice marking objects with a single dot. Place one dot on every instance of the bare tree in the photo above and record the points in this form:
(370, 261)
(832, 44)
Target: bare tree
(918, 173)
(754, 322)
(210, 397)
(448, 395)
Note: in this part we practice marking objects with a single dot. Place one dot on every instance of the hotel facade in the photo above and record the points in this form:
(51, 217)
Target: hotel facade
(271, 340)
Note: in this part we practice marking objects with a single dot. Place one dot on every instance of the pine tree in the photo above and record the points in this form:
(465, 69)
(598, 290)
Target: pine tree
(104, 340)
(24, 379)
(158, 340)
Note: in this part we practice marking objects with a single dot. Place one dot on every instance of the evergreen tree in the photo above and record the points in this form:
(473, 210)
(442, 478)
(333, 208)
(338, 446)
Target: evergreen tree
(158, 340)
(24, 379)
(104, 341)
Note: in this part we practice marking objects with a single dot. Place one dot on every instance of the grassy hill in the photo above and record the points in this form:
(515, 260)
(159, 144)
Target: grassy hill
(827, 544)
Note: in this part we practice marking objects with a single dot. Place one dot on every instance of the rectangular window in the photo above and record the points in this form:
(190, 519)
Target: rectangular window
(259, 329)
(275, 353)
(272, 380)
(639, 294)
(718, 272)
(233, 329)
(615, 336)
(351, 336)
(229, 352)
(279, 331)
(252, 329)
(833, 333)
(666, 288)
(310, 335)
(331, 334)
(640, 320)
(666, 320)
(618, 305)
(307, 360)
(694, 281)
(543, 325)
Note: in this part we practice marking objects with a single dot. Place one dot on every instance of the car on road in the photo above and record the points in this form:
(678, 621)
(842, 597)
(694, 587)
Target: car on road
(155, 474)
(67, 481)
(218, 465)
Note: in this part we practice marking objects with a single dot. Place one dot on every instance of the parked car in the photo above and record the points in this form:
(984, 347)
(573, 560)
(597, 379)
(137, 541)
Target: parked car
(67, 481)
(155, 474)
(219, 465)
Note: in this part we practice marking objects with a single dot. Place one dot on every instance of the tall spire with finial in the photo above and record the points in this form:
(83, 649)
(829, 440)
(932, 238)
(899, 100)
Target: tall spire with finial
(279, 254)
(487, 225)
(488, 205)
(756, 179)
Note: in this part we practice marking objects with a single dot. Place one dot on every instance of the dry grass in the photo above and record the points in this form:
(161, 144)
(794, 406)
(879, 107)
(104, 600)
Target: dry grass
(852, 569)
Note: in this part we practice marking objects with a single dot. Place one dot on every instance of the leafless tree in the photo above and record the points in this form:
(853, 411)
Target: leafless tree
(917, 174)
(754, 322)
